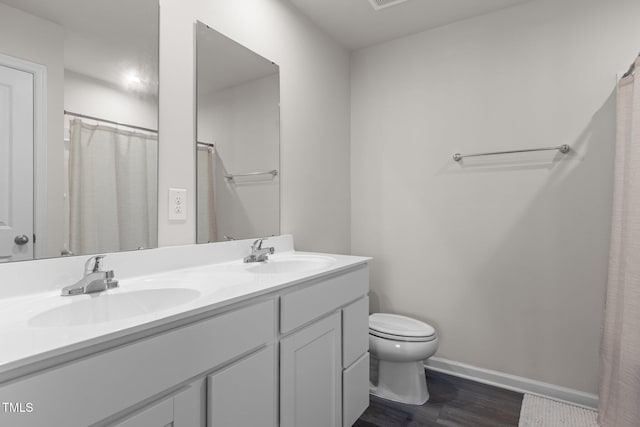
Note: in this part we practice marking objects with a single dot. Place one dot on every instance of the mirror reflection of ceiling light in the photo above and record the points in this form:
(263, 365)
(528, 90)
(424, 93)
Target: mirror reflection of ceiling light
(133, 81)
(134, 78)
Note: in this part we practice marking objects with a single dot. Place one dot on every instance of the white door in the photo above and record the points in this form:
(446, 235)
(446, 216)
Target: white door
(16, 165)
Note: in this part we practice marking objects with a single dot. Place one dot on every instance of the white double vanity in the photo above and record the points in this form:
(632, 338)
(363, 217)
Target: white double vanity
(191, 337)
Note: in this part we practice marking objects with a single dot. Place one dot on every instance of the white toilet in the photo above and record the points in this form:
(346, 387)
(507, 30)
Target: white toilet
(401, 344)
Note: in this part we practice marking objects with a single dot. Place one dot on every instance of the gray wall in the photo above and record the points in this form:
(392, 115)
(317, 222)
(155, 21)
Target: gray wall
(505, 256)
(314, 81)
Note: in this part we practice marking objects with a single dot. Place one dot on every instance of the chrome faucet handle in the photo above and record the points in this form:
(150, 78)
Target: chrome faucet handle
(257, 245)
(93, 264)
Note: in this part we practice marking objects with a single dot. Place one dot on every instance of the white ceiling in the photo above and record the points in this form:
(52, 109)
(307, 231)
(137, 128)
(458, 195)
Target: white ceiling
(103, 39)
(116, 20)
(355, 23)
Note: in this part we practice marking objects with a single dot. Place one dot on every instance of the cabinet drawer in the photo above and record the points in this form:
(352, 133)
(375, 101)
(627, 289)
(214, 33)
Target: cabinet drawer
(303, 305)
(355, 390)
(123, 376)
(355, 331)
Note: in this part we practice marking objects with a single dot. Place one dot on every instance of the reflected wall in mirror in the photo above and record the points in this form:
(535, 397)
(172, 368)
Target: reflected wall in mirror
(78, 127)
(238, 140)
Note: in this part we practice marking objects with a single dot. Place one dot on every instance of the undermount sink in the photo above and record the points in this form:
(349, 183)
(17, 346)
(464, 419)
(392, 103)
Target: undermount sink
(291, 264)
(105, 307)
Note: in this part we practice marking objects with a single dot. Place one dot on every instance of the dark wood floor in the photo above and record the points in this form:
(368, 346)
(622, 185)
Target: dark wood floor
(454, 402)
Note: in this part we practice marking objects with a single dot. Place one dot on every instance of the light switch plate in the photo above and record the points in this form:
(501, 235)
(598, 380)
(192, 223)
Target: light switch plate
(177, 204)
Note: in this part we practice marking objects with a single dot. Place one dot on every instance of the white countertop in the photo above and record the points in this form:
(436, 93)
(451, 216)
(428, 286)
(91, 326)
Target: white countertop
(34, 328)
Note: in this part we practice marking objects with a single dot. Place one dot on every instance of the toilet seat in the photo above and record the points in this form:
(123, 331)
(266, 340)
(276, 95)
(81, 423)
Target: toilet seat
(400, 328)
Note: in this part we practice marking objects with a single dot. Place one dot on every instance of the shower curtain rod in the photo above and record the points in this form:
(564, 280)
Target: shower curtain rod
(205, 144)
(84, 116)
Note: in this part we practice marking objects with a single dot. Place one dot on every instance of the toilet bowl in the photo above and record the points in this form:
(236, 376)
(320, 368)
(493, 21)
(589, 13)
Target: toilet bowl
(401, 344)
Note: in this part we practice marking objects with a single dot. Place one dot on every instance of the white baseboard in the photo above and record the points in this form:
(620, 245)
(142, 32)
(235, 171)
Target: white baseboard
(512, 382)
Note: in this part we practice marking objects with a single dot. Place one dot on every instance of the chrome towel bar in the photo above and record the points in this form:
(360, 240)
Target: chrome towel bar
(271, 172)
(564, 149)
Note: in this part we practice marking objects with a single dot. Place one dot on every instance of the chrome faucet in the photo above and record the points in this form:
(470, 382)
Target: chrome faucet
(258, 253)
(94, 280)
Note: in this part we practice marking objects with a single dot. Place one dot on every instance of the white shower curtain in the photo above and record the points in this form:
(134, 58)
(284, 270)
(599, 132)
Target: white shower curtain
(112, 189)
(211, 160)
(206, 179)
(619, 404)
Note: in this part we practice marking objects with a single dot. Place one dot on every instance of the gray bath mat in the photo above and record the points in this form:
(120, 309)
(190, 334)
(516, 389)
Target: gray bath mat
(540, 412)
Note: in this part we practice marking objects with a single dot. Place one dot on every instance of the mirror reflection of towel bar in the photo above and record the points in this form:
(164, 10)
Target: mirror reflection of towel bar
(273, 172)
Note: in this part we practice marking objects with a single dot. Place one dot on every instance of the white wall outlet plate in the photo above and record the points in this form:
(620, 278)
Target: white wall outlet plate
(177, 204)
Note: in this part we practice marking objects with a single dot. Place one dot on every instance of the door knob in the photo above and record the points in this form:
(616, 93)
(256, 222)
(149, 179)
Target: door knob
(21, 240)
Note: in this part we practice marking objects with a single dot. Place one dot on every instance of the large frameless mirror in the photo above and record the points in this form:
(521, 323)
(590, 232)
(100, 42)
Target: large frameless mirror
(238, 140)
(78, 127)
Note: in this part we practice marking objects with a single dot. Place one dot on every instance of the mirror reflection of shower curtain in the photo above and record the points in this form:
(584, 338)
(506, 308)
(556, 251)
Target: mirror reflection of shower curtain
(207, 229)
(211, 160)
(113, 189)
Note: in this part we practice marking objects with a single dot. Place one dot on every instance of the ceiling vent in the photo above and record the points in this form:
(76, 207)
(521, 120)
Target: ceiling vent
(381, 4)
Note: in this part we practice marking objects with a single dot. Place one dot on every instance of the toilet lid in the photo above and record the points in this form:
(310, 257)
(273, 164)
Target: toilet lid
(394, 324)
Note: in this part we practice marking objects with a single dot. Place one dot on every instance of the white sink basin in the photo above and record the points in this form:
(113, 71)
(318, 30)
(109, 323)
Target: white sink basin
(291, 264)
(105, 307)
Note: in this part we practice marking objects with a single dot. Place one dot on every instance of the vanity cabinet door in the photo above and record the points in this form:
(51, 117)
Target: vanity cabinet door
(244, 393)
(190, 405)
(355, 390)
(355, 360)
(156, 415)
(311, 376)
